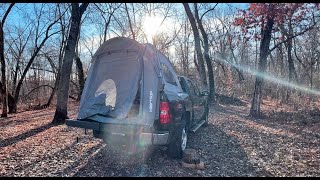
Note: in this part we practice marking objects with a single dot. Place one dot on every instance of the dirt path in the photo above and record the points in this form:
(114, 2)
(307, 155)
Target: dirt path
(232, 145)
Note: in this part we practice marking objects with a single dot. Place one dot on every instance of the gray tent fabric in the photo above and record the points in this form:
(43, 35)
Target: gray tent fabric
(119, 67)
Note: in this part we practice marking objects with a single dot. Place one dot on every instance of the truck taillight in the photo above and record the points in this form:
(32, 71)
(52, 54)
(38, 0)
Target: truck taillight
(165, 116)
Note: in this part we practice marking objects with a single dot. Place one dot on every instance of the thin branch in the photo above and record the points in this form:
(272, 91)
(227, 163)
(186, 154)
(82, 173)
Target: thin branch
(300, 33)
(38, 88)
(6, 14)
(131, 28)
(208, 11)
(101, 10)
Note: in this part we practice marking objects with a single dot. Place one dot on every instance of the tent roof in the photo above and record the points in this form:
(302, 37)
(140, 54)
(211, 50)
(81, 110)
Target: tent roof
(118, 44)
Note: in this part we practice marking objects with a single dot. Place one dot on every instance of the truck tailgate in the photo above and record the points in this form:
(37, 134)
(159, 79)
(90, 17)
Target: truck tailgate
(83, 124)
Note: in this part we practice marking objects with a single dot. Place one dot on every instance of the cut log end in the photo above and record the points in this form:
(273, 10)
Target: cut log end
(190, 159)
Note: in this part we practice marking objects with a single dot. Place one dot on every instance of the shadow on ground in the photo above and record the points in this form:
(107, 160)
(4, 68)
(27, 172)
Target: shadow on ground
(221, 153)
(23, 136)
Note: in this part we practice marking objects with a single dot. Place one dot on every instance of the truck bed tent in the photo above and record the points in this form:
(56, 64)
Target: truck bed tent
(118, 69)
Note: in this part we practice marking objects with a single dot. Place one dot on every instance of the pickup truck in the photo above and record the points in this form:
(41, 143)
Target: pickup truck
(132, 96)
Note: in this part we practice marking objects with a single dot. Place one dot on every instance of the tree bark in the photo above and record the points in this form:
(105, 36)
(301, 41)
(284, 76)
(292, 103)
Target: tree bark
(264, 48)
(3, 75)
(80, 76)
(10, 97)
(292, 71)
(63, 87)
(211, 97)
(53, 92)
(202, 70)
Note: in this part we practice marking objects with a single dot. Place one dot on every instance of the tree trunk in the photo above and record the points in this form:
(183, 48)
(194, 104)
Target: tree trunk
(264, 48)
(202, 70)
(4, 91)
(130, 24)
(290, 60)
(80, 76)
(9, 98)
(211, 97)
(63, 87)
(15, 76)
(3, 75)
(53, 90)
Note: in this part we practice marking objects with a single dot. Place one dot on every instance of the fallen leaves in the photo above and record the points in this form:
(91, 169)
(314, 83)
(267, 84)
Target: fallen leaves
(232, 145)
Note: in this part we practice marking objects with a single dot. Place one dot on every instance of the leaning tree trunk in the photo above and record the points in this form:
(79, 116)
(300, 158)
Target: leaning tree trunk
(264, 48)
(53, 91)
(211, 97)
(202, 70)
(63, 86)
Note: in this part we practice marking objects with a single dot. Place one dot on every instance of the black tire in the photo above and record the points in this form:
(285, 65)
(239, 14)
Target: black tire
(206, 123)
(175, 147)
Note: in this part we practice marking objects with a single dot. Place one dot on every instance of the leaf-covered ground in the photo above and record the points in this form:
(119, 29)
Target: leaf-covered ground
(281, 144)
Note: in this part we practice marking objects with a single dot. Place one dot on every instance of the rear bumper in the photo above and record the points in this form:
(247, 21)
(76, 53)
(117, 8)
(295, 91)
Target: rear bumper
(122, 133)
(154, 138)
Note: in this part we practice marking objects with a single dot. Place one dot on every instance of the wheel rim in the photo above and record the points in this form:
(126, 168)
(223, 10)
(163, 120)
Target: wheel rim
(184, 139)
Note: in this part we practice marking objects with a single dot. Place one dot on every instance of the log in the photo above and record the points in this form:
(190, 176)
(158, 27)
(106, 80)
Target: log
(190, 156)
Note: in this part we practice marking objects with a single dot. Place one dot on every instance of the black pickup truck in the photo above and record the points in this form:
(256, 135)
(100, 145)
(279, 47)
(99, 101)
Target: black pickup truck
(133, 96)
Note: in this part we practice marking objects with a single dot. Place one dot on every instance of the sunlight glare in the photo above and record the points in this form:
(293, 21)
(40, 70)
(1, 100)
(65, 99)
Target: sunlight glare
(271, 78)
(152, 25)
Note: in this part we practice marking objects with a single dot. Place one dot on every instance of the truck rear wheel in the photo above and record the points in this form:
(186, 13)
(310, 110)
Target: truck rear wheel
(178, 142)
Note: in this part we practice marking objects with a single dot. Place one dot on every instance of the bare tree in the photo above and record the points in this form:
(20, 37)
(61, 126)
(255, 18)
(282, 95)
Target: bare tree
(37, 49)
(211, 97)
(264, 48)
(202, 70)
(3, 66)
(63, 87)
(130, 24)
(64, 29)
(107, 19)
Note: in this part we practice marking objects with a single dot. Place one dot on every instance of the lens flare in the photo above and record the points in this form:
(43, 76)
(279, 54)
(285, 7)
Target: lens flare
(270, 78)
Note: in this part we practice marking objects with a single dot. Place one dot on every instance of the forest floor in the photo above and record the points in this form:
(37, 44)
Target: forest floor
(283, 143)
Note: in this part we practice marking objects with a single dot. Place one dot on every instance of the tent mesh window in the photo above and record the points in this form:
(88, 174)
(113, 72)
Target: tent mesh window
(168, 76)
(134, 111)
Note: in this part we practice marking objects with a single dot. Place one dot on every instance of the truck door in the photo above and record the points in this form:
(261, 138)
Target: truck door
(198, 101)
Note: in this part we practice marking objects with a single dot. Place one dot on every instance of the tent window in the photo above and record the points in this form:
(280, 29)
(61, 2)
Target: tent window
(168, 76)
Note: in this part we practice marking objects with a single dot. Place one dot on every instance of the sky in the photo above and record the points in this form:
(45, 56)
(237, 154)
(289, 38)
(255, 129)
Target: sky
(18, 11)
